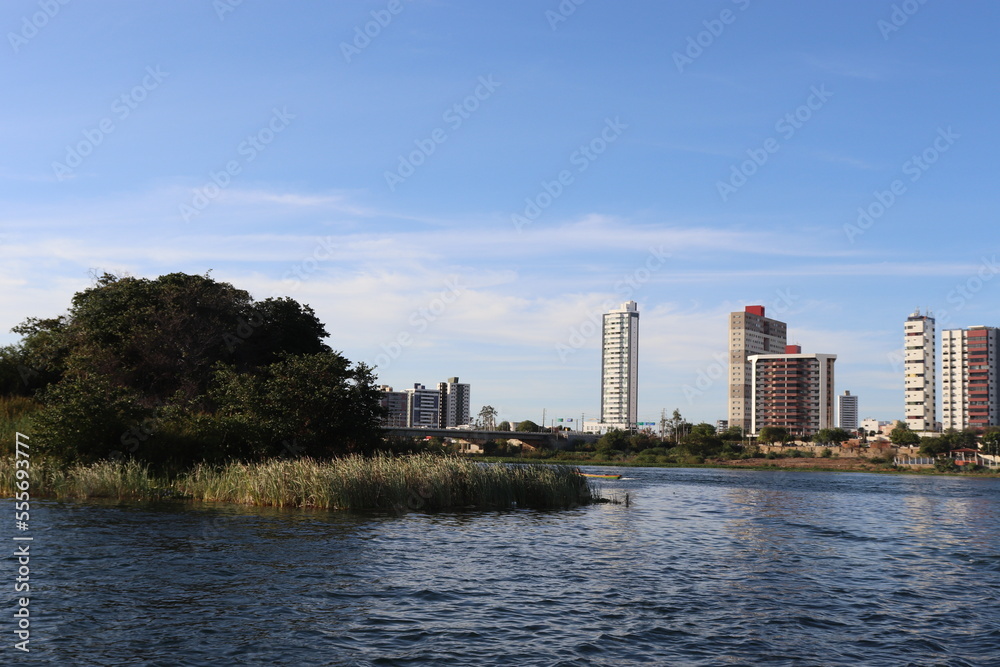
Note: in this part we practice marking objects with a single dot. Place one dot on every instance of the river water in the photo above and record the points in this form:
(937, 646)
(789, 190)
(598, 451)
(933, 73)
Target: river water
(704, 567)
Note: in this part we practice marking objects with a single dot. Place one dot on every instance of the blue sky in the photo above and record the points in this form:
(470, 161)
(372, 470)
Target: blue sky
(463, 190)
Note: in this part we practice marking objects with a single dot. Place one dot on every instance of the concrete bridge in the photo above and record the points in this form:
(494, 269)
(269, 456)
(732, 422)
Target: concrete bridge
(556, 440)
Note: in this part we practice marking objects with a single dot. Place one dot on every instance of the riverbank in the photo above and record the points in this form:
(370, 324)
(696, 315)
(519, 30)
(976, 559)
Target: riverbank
(819, 464)
(351, 483)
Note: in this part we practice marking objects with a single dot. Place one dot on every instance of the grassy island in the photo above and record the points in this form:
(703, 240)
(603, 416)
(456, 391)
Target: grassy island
(427, 482)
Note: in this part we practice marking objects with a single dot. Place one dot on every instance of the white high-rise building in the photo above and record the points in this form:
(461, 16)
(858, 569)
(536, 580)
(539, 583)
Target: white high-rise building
(455, 403)
(847, 411)
(920, 386)
(970, 377)
(620, 366)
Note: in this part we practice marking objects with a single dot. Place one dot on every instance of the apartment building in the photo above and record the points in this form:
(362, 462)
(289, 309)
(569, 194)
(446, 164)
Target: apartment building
(620, 366)
(920, 385)
(970, 370)
(455, 403)
(792, 390)
(847, 411)
(750, 333)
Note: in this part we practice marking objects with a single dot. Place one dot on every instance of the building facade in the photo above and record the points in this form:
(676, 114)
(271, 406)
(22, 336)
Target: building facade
(423, 406)
(455, 403)
(395, 404)
(620, 366)
(970, 366)
(847, 411)
(750, 333)
(874, 426)
(920, 384)
(793, 391)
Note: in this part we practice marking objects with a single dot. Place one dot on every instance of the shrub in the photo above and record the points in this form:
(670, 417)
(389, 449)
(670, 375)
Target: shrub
(945, 465)
(826, 453)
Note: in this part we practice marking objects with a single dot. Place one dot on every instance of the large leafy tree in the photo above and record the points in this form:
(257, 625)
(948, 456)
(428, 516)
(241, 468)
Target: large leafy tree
(773, 434)
(902, 435)
(991, 442)
(183, 367)
(314, 404)
(164, 335)
(831, 436)
(702, 441)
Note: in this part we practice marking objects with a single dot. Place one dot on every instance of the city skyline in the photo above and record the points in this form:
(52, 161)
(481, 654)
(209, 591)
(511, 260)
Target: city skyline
(468, 188)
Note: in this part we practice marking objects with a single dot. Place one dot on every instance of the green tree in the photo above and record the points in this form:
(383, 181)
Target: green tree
(773, 434)
(677, 426)
(902, 436)
(613, 439)
(934, 446)
(732, 434)
(965, 439)
(183, 368)
(504, 426)
(164, 335)
(991, 443)
(320, 402)
(487, 417)
(831, 436)
(641, 441)
(527, 426)
(702, 441)
(85, 419)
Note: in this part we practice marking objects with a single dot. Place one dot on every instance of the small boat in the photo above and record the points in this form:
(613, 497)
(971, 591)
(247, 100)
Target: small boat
(590, 474)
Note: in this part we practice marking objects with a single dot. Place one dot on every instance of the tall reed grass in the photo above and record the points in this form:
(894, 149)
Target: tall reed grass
(423, 481)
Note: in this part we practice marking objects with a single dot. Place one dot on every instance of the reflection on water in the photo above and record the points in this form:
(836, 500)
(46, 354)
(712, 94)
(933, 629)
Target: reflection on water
(704, 567)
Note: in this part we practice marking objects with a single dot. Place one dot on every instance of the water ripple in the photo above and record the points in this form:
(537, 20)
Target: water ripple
(706, 567)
